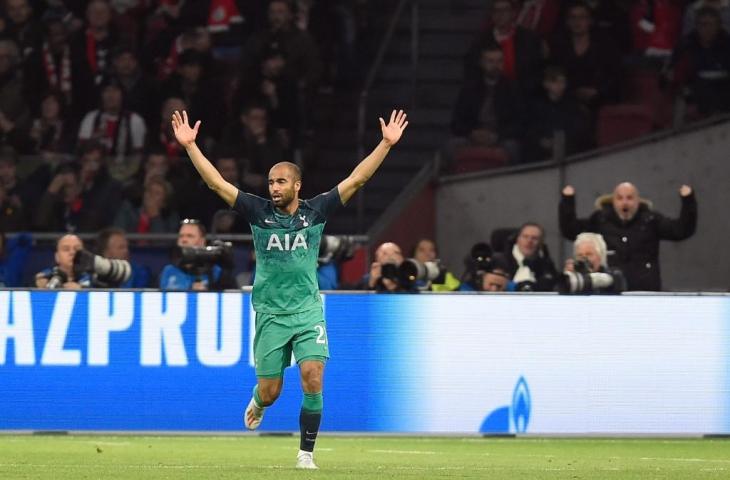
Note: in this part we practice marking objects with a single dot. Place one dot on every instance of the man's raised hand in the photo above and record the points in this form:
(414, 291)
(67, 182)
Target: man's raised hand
(183, 133)
(394, 129)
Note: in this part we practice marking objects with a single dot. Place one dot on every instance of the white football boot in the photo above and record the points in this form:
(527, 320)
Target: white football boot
(305, 460)
(253, 415)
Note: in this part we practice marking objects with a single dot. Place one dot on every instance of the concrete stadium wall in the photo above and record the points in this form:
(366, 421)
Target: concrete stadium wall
(469, 207)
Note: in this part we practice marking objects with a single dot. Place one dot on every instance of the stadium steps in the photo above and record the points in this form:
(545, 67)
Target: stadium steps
(446, 29)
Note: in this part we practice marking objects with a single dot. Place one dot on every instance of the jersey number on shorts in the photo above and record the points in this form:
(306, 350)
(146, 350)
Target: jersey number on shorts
(321, 337)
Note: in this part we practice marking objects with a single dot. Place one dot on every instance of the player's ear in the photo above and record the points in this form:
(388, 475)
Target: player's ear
(297, 185)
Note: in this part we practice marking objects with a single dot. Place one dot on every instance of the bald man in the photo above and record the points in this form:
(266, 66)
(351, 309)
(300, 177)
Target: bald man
(62, 275)
(386, 253)
(632, 230)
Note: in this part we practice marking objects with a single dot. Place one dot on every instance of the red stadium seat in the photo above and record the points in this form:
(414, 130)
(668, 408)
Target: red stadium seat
(644, 87)
(619, 123)
(473, 159)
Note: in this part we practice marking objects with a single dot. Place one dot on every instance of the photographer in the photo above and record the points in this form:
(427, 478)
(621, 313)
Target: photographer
(425, 251)
(476, 264)
(62, 275)
(195, 266)
(496, 275)
(588, 272)
(383, 271)
(391, 273)
(111, 243)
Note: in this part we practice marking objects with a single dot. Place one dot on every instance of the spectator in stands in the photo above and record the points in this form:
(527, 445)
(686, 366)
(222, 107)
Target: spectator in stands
(120, 131)
(194, 85)
(140, 94)
(173, 277)
(496, 278)
(337, 29)
(53, 133)
(14, 252)
(389, 254)
(530, 265)
(539, 16)
(154, 215)
(14, 111)
(160, 137)
(26, 191)
(229, 22)
(631, 229)
(12, 217)
(425, 250)
(656, 29)
(590, 249)
(112, 243)
(22, 26)
(277, 93)
(690, 15)
(207, 202)
(303, 62)
(702, 64)
(251, 138)
(50, 68)
(73, 198)
(92, 48)
(156, 164)
(98, 187)
(13, 196)
(591, 62)
(611, 21)
(489, 109)
(522, 50)
(62, 274)
(556, 116)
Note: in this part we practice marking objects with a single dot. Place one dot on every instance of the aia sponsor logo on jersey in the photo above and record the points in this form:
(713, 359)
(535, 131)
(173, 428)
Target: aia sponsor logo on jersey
(286, 243)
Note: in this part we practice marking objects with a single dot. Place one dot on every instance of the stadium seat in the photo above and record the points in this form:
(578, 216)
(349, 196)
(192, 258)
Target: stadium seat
(644, 87)
(619, 123)
(501, 238)
(472, 159)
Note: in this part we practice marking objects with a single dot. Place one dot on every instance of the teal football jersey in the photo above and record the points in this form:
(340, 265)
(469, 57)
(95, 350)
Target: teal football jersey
(287, 248)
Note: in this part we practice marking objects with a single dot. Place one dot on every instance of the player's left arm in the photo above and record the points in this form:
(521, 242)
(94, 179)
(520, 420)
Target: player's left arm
(367, 167)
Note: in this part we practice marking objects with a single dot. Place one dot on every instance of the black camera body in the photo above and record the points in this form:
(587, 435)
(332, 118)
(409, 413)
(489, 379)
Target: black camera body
(200, 260)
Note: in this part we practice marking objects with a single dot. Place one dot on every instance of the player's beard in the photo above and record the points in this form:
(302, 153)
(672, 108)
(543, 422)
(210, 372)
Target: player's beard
(285, 198)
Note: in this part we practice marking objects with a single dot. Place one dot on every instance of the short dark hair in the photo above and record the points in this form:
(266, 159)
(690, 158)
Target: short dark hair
(293, 167)
(532, 224)
(424, 239)
(103, 237)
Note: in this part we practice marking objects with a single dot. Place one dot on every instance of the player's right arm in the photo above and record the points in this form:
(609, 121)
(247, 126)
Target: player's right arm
(186, 136)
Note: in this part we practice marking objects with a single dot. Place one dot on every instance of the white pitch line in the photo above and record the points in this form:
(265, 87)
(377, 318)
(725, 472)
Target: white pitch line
(711, 460)
(411, 452)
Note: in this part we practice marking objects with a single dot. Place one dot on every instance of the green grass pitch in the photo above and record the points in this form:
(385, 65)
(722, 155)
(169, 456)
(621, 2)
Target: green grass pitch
(261, 457)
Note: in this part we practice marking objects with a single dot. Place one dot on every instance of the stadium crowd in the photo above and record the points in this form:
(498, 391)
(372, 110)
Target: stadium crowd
(87, 89)
(545, 78)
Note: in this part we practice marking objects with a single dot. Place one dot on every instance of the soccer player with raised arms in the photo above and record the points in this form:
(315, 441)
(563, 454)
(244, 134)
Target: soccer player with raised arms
(286, 234)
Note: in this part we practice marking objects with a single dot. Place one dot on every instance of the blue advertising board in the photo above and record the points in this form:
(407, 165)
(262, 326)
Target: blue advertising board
(183, 361)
